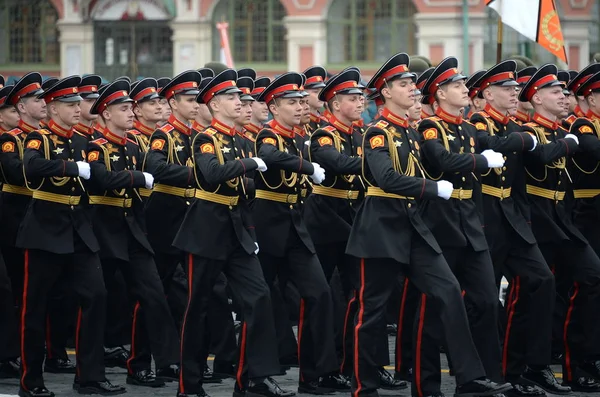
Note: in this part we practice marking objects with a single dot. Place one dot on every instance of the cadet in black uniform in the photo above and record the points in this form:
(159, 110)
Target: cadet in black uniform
(88, 90)
(57, 236)
(286, 247)
(216, 236)
(389, 236)
(117, 215)
(315, 81)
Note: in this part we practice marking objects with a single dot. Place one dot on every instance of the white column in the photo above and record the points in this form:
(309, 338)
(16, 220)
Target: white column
(302, 31)
(76, 47)
(576, 32)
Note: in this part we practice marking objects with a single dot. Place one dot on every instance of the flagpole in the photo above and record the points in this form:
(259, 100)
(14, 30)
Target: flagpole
(499, 41)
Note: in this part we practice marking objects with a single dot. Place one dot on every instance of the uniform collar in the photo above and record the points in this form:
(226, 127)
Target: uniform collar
(578, 112)
(223, 128)
(60, 131)
(138, 125)
(299, 130)
(496, 115)
(26, 127)
(425, 115)
(252, 128)
(43, 124)
(359, 123)
(179, 126)
(83, 129)
(394, 118)
(341, 127)
(281, 130)
(315, 118)
(545, 122)
(197, 126)
(114, 138)
(592, 116)
(447, 117)
(522, 116)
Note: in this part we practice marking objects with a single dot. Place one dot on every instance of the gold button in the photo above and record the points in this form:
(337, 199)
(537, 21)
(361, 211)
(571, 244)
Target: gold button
(472, 150)
(351, 185)
(409, 205)
(230, 207)
(559, 182)
(187, 203)
(504, 157)
(503, 179)
(72, 189)
(464, 179)
(459, 127)
(413, 151)
(350, 204)
(125, 213)
(125, 148)
(70, 141)
(301, 201)
(462, 137)
(291, 207)
(72, 207)
(75, 179)
(410, 140)
(126, 196)
(504, 168)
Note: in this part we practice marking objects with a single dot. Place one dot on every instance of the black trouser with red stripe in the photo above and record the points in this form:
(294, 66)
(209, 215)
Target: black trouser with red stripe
(581, 330)
(223, 343)
(150, 311)
(316, 348)
(475, 274)
(410, 297)
(431, 274)
(9, 336)
(41, 271)
(258, 353)
(119, 311)
(286, 340)
(529, 304)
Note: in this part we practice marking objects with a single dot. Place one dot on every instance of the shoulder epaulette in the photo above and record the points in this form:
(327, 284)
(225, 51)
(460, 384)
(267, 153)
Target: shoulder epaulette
(133, 132)
(329, 128)
(249, 136)
(469, 122)
(14, 132)
(167, 128)
(210, 131)
(434, 118)
(80, 133)
(44, 131)
(99, 141)
(382, 124)
(132, 141)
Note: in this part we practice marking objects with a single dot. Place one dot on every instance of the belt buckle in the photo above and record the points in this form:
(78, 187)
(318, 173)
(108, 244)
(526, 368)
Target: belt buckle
(349, 194)
(460, 193)
(556, 195)
(502, 193)
(73, 200)
(289, 199)
(188, 193)
(232, 200)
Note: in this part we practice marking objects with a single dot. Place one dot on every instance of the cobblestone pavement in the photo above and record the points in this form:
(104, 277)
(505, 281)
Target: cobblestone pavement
(61, 385)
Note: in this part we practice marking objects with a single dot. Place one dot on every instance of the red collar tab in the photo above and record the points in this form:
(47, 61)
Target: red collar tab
(334, 121)
(179, 126)
(188, 85)
(592, 116)
(110, 99)
(578, 111)
(26, 127)
(342, 86)
(441, 78)
(359, 123)
(281, 130)
(392, 72)
(197, 126)
(138, 125)
(401, 121)
(299, 130)
(447, 117)
(315, 118)
(144, 93)
(223, 128)
(280, 90)
(84, 129)
(497, 77)
(496, 115)
(544, 122)
(219, 87)
(60, 131)
(425, 115)
(114, 138)
(24, 91)
(522, 116)
(252, 128)
(538, 84)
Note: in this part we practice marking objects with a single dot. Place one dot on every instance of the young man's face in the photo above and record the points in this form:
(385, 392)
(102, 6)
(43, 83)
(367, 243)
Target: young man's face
(400, 92)
(305, 119)
(551, 99)
(313, 98)
(120, 115)
(33, 107)
(185, 106)
(228, 106)
(151, 111)
(455, 94)
(204, 116)
(86, 106)
(9, 117)
(245, 113)
(166, 109)
(68, 113)
(349, 106)
(287, 110)
(502, 98)
(414, 113)
(260, 111)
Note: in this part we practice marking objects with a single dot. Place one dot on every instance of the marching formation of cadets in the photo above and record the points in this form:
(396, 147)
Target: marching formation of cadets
(131, 213)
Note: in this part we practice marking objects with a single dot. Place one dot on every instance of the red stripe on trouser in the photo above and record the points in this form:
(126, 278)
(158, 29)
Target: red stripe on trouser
(48, 338)
(400, 329)
(300, 330)
(418, 349)
(350, 302)
(361, 313)
(511, 312)
(133, 327)
(240, 368)
(569, 374)
(23, 310)
(77, 331)
(190, 275)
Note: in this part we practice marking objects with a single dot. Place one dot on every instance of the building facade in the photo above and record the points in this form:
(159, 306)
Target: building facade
(164, 37)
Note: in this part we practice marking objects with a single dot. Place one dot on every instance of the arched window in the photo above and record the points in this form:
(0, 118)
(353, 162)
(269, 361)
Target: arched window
(513, 43)
(28, 32)
(256, 31)
(370, 31)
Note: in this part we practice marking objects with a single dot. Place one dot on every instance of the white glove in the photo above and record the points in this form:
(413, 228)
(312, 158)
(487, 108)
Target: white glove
(494, 159)
(84, 169)
(257, 249)
(573, 137)
(307, 143)
(444, 189)
(149, 180)
(535, 142)
(260, 163)
(319, 175)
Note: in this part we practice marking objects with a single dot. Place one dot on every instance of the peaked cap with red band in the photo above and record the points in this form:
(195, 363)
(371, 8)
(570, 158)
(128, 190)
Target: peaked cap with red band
(395, 67)
(64, 90)
(29, 85)
(545, 76)
(473, 83)
(446, 72)
(590, 86)
(247, 72)
(246, 85)
(564, 77)
(223, 83)
(346, 82)
(4, 91)
(185, 83)
(88, 88)
(114, 93)
(315, 77)
(49, 82)
(576, 84)
(286, 85)
(503, 74)
(525, 74)
(260, 84)
(144, 90)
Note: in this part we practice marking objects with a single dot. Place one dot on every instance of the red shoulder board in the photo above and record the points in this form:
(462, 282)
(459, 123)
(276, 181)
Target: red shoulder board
(14, 132)
(250, 136)
(329, 128)
(132, 141)
(210, 131)
(44, 131)
(381, 124)
(167, 128)
(133, 132)
(99, 141)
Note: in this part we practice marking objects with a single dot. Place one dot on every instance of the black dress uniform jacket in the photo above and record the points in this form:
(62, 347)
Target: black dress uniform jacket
(214, 230)
(329, 219)
(546, 173)
(274, 220)
(383, 228)
(114, 163)
(49, 163)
